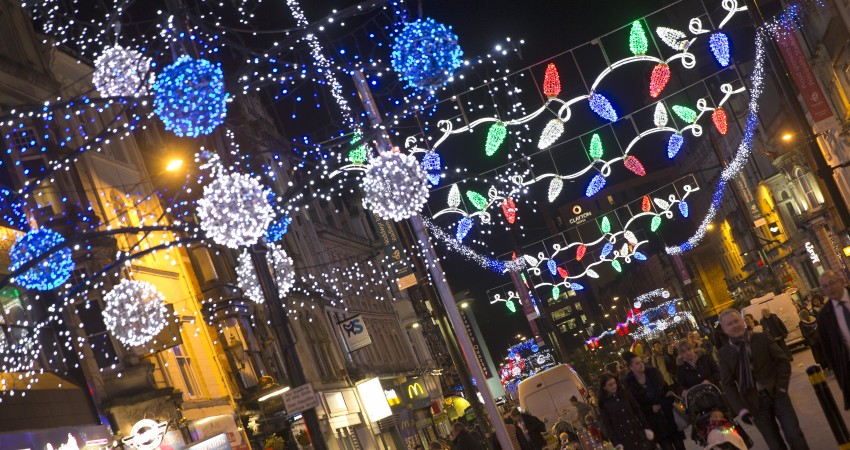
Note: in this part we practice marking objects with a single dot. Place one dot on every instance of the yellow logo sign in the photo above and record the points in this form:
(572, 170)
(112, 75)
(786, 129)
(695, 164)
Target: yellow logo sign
(415, 390)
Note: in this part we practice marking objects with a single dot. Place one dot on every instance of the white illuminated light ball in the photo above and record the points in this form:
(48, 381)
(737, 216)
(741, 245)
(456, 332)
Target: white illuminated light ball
(122, 72)
(235, 210)
(135, 312)
(395, 187)
(282, 265)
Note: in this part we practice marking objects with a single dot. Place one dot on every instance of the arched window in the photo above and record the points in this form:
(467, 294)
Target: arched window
(807, 187)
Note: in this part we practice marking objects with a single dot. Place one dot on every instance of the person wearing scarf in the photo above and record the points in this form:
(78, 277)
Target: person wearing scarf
(754, 373)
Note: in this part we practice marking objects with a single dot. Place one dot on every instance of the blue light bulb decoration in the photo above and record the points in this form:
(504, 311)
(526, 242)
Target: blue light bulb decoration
(606, 250)
(602, 107)
(189, 97)
(463, 228)
(278, 229)
(596, 184)
(576, 287)
(640, 256)
(671, 309)
(48, 273)
(425, 54)
(683, 208)
(719, 44)
(432, 164)
(535, 348)
(674, 144)
(552, 266)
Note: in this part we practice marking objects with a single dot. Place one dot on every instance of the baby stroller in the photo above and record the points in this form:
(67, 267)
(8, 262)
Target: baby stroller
(701, 400)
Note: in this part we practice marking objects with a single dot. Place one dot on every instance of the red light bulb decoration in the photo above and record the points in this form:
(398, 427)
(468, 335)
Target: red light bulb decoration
(551, 81)
(646, 204)
(634, 165)
(580, 251)
(658, 80)
(719, 119)
(563, 272)
(509, 210)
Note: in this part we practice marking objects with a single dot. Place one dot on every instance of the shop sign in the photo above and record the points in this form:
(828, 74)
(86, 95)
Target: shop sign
(407, 429)
(300, 399)
(476, 347)
(355, 333)
(218, 442)
(146, 434)
(812, 253)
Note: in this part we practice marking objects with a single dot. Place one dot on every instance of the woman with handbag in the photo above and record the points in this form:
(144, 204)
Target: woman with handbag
(647, 386)
(621, 418)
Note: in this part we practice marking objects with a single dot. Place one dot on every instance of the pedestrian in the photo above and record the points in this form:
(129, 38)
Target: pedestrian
(658, 359)
(621, 418)
(755, 373)
(647, 386)
(817, 303)
(834, 329)
(529, 430)
(809, 329)
(582, 408)
(463, 439)
(753, 324)
(593, 428)
(694, 367)
(776, 329)
(435, 445)
(512, 433)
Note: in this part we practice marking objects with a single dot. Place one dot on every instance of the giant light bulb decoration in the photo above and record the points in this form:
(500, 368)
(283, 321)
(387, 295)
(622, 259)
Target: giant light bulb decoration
(122, 72)
(135, 312)
(394, 186)
(234, 210)
(51, 271)
(189, 97)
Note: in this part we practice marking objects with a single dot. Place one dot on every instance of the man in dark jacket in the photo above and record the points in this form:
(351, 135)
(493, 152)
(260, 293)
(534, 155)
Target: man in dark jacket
(529, 430)
(775, 328)
(834, 329)
(755, 373)
(463, 439)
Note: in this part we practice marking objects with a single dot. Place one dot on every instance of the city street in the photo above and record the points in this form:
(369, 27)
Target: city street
(812, 419)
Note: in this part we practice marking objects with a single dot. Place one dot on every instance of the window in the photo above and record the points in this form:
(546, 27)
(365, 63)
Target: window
(808, 189)
(702, 298)
(583, 319)
(578, 306)
(571, 323)
(184, 363)
(91, 317)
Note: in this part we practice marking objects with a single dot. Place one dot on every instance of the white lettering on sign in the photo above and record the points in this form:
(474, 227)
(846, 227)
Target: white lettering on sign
(146, 434)
(812, 253)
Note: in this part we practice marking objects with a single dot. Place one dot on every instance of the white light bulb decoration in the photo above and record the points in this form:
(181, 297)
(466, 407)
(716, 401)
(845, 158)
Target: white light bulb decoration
(394, 186)
(122, 72)
(135, 312)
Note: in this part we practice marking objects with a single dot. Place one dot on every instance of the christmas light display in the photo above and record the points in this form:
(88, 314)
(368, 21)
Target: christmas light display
(246, 278)
(552, 266)
(551, 81)
(659, 117)
(189, 97)
(595, 146)
(463, 228)
(278, 229)
(509, 210)
(674, 39)
(617, 266)
(433, 165)
(555, 187)
(674, 144)
(478, 200)
(426, 54)
(358, 154)
(602, 107)
(656, 222)
(234, 210)
(54, 264)
(122, 72)
(607, 249)
(605, 225)
(563, 273)
(556, 292)
(686, 114)
(741, 155)
(551, 133)
(596, 184)
(658, 79)
(495, 136)
(493, 264)
(683, 208)
(580, 252)
(454, 196)
(638, 44)
(283, 269)
(394, 186)
(645, 204)
(135, 312)
(720, 121)
(20, 354)
(634, 165)
(719, 44)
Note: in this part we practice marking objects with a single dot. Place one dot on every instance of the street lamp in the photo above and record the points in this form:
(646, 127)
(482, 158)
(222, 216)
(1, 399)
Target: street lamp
(787, 137)
(173, 165)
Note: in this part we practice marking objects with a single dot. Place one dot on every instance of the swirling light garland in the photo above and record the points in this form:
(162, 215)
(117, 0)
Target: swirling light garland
(135, 312)
(640, 299)
(394, 186)
(234, 210)
(189, 97)
(50, 272)
(486, 262)
(122, 72)
(741, 156)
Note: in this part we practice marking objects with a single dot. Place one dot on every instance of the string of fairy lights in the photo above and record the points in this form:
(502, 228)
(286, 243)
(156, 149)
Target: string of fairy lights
(187, 95)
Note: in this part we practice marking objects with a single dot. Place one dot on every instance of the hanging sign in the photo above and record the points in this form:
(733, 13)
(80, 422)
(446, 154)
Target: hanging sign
(355, 333)
(146, 434)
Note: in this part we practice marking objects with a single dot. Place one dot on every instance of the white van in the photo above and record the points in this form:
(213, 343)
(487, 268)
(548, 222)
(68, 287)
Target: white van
(546, 395)
(783, 306)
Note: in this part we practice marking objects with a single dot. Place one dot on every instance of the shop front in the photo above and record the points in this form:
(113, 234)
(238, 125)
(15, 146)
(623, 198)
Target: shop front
(85, 437)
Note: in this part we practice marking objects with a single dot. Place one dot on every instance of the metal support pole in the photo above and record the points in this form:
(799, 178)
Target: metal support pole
(830, 409)
(453, 314)
(285, 338)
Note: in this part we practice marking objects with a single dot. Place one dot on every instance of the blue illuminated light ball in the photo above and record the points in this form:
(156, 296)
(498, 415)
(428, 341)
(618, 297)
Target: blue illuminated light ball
(189, 97)
(426, 54)
(277, 229)
(50, 272)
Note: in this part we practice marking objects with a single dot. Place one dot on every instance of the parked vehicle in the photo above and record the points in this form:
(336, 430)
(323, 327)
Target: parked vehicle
(546, 395)
(783, 306)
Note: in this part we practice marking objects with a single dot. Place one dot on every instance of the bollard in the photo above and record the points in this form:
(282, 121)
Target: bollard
(830, 409)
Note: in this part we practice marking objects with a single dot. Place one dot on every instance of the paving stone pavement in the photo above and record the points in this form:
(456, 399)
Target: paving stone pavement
(812, 419)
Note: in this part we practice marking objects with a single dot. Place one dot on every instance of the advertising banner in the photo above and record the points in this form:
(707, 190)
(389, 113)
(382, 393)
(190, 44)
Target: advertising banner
(804, 77)
(355, 333)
